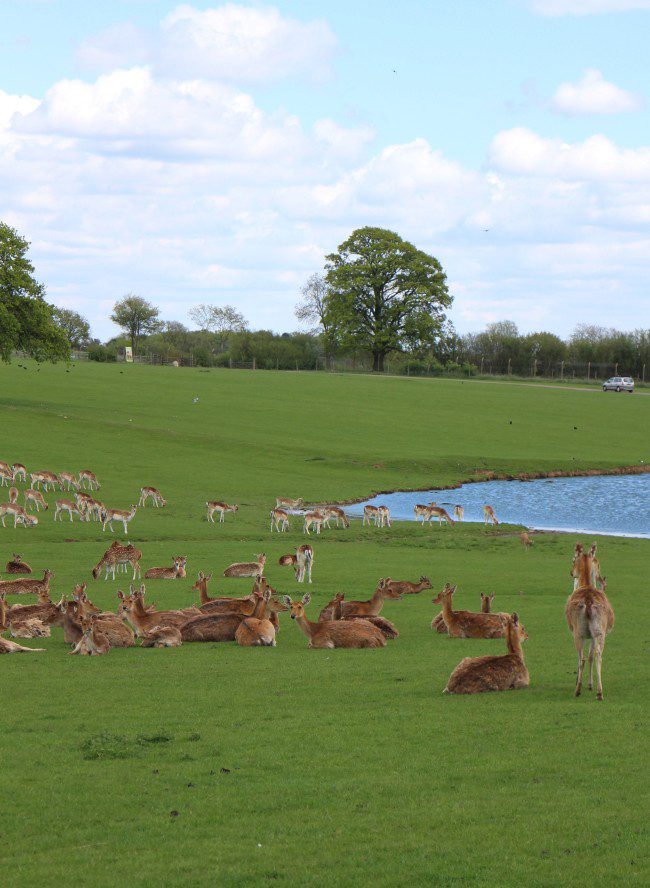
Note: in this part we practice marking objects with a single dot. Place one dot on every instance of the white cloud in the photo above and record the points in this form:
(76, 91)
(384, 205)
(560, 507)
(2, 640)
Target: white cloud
(592, 94)
(587, 7)
(233, 43)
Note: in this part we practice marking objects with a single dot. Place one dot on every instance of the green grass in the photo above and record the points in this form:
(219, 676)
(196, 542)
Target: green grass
(217, 765)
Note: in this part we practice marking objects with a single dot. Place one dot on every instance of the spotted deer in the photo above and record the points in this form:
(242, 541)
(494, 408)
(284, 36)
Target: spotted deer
(20, 516)
(371, 514)
(475, 675)
(65, 505)
(20, 626)
(118, 555)
(283, 502)
(17, 566)
(19, 472)
(221, 508)
(153, 494)
(334, 633)
(314, 520)
(279, 520)
(69, 480)
(247, 568)
(110, 515)
(589, 616)
(384, 516)
(47, 479)
(489, 516)
(35, 498)
(89, 478)
(177, 572)
(334, 513)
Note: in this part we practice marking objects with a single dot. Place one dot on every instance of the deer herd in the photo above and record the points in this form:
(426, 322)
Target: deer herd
(252, 620)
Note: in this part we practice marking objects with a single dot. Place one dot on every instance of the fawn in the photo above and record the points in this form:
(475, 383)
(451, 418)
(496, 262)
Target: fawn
(474, 675)
(93, 642)
(17, 566)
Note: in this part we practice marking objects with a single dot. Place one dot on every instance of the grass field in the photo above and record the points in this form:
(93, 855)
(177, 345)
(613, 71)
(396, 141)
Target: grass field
(218, 765)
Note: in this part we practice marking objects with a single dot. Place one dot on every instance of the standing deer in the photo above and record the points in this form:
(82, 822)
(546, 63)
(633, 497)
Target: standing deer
(334, 633)
(221, 508)
(154, 495)
(6, 475)
(17, 566)
(280, 520)
(64, 505)
(118, 555)
(459, 513)
(70, 480)
(36, 498)
(301, 562)
(47, 479)
(247, 568)
(474, 675)
(590, 616)
(13, 495)
(334, 513)
(91, 478)
(371, 514)
(427, 513)
(110, 515)
(525, 540)
(283, 502)
(20, 516)
(19, 472)
(489, 516)
(315, 520)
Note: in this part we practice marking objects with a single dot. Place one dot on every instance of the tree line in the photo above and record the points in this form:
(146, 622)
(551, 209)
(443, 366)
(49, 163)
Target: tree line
(379, 303)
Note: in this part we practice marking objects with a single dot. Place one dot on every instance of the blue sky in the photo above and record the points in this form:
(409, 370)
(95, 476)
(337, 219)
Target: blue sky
(528, 118)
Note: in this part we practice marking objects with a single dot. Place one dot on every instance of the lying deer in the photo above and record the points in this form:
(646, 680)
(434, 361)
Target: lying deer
(90, 478)
(93, 642)
(153, 494)
(474, 675)
(27, 587)
(589, 616)
(247, 568)
(254, 631)
(242, 607)
(467, 624)
(21, 627)
(283, 502)
(406, 587)
(177, 572)
(143, 620)
(334, 633)
(279, 520)
(373, 606)
(44, 610)
(219, 626)
(489, 516)
(334, 611)
(17, 566)
(438, 622)
(161, 637)
(11, 647)
(221, 509)
(110, 515)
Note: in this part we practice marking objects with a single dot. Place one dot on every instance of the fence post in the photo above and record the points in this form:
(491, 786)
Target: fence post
(615, 369)
(588, 369)
(562, 371)
(254, 364)
(481, 366)
(230, 362)
(509, 366)
(643, 376)
(408, 369)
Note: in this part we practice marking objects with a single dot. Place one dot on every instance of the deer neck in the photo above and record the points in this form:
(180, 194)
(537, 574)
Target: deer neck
(376, 602)
(203, 593)
(447, 612)
(3, 615)
(513, 641)
(306, 626)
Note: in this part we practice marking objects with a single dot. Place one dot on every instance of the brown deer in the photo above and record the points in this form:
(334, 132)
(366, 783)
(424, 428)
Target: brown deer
(65, 505)
(314, 520)
(283, 502)
(143, 620)
(21, 627)
(253, 631)
(69, 480)
(333, 611)
(93, 641)
(334, 633)
(19, 472)
(153, 494)
(590, 616)
(110, 515)
(406, 587)
(44, 610)
(90, 478)
(373, 606)
(221, 508)
(280, 520)
(20, 516)
(242, 607)
(247, 568)
(525, 540)
(475, 675)
(6, 475)
(177, 572)
(13, 495)
(489, 516)
(161, 637)
(28, 587)
(118, 555)
(486, 602)
(11, 647)
(17, 566)
(371, 514)
(428, 513)
(467, 624)
(334, 513)
(220, 626)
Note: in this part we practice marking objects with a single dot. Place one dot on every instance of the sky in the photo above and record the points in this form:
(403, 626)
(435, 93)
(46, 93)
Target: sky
(216, 152)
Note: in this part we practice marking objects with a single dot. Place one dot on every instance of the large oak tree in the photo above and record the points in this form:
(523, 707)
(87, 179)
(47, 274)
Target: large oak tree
(384, 294)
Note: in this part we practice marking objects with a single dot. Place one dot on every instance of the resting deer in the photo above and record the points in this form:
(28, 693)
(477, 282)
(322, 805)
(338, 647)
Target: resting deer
(333, 611)
(590, 616)
(44, 610)
(489, 516)
(283, 502)
(525, 540)
(161, 637)
(117, 555)
(508, 672)
(11, 647)
(301, 562)
(69, 480)
(36, 498)
(314, 520)
(143, 619)
(20, 626)
(217, 626)
(459, 513)
(280, 520)
(19, 472)
(373, 606)
(334, 633)
(64, 505)
(406, 587)
(13, 495)
(177, 572)
(334, 513)
(28, 587)
(467, 624)
(110, 515)
(93, 641)
(90, 478)
(153, 494)
(247, 568)
(242, 607)
(221, 509)
(17, 566)
(260, 631)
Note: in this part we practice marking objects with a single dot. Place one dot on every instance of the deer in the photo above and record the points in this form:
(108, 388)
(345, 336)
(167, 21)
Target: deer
(20, 516)
(219, 626)
(161, 637)
(489, 516)
(93, 641)
(589, 616)
(334, 633)
(283, 502)
(110, 515)
(314, 520)
(47, 479)
(69, 480)
(65, 505)
(117, 555)
(153, 494)
(36, 498)
(279, 520)
(21, 626)
(17, 566)
(242, 607)
(370, 514)
(301, 562)
(467, 624)
(116, 630)
(373, 606)
(596, 577)
(334, 513)
(333, 611)
(247, 568)
(142, 619)
(525, 540)
(260, 631)
(44, 610)
(406, 587)
(438, 622)
(221, 508)
(6, 475)
(459, 513)
(177, 572)
(28, 587)
(91, 478)
(475, 675)
(13, 495)
(12, 647)
(19, 472)
(90, 507)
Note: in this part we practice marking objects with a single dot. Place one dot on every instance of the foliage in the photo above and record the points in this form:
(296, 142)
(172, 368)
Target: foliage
(313, 310)
(221, 320)
(74, 325)
(26, 320)
(384, 294)
(136, 317)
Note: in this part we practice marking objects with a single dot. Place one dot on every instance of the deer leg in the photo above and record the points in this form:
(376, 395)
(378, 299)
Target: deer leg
(600, 644)
(592, 648)
(581, 664)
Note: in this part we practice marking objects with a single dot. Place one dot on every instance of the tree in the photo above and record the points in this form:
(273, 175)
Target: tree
(221, 320)
(26, 321)
(74, 325)
(384, 294)
(136, 317)
(313, 310)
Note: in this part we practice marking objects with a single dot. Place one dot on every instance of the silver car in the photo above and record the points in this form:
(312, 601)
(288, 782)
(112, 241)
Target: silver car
(619, 384)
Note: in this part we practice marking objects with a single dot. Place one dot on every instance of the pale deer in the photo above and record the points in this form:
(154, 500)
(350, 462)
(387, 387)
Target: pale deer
(17, 566)
(313, 520)
(301, 562)
(334, 633)
(6, 475)
(69, 480)
(117, 555)
(161, 637)
(373, 605)
(93, 508)
(384, 516)
(283, 502)
(247, 568)
(221, 508)
(459, 513)
(13, 495)
(177, 572)
(19, 515)
(334, 513)
(154, 495)
(467, 624)
(280, 520)
(91, 478)
(428, 513)
(590, 616)
(93, 641)
(19, 472)
(65, 505)
(260, 631)
(47, 479)
(489, 516)
(507, 672)
(525, 540)
(110, 515)
(36, 498)
(406, 587)
(12, 647)
(596, 578)
(371, 514)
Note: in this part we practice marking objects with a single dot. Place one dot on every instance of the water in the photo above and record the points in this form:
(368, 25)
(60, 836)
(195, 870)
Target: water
(618, 505)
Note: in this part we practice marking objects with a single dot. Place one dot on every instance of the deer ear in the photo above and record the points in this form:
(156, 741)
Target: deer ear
(209, 576)
(120, 594)
(287, 600)
(515, 619)
(453, 588)
(142, 589)
(306, 598)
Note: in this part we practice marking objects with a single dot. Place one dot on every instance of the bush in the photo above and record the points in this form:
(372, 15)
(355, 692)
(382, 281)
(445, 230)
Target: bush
(101, 353)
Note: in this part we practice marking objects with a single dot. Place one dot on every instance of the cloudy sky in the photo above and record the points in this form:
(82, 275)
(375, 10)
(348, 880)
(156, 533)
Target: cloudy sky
(212, 152)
